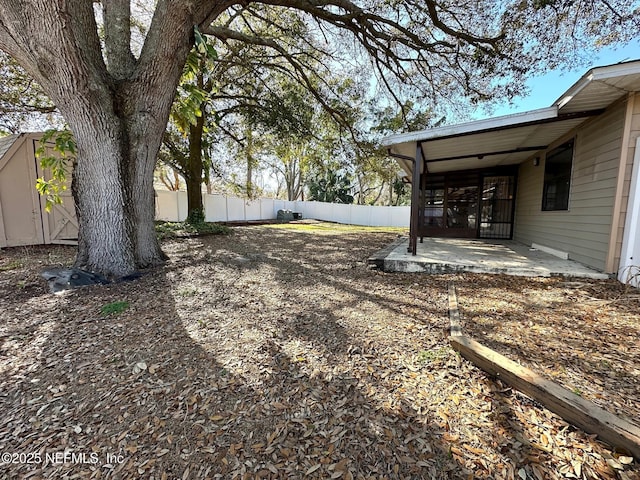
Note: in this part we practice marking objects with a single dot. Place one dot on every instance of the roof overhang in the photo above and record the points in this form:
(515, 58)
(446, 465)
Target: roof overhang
(600, 87)
(512, 139)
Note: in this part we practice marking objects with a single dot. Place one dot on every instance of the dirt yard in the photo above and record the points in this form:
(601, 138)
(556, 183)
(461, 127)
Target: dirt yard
(276, 352)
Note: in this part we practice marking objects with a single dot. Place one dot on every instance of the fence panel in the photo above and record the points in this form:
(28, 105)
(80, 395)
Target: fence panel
(172, 207)
(361, 214)
(252, 210)
(267, 209)
(215, 208)
(235, 209)
(400, 216)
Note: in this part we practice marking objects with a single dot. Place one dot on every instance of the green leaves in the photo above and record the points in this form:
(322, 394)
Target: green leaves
(56, 152)
(188, 106)
(195, 90)
(204, 46)
(166, 230)
(331, 186)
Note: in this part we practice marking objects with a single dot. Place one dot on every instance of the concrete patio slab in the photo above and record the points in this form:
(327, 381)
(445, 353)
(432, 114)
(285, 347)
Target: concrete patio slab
(454, 255)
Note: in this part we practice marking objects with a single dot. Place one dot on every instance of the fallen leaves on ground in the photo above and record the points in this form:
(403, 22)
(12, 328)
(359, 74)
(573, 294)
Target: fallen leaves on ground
(274, 353)
(583, 334)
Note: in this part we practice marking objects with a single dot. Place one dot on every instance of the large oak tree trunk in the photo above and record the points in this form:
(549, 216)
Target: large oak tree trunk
(117, 107)
(114, 195)
(105, 222)
(113, 182)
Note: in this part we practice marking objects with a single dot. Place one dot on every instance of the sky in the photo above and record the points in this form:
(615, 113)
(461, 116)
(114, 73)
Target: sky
(546, 89)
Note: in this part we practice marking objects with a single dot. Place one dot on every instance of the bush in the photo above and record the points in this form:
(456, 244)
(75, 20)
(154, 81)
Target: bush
(166, 230)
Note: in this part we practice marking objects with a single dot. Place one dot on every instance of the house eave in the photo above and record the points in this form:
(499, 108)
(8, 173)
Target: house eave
(603, 75)
(512, 139)
(489, 124)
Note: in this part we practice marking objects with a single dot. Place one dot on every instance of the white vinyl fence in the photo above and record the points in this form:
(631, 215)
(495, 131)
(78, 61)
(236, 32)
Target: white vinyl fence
(172, 207)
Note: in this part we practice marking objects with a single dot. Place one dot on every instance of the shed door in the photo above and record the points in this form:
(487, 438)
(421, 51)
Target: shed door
(20, 216)
(60, 225)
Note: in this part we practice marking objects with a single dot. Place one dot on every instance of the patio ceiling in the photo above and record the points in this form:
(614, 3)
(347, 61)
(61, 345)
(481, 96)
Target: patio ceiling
(512, 139)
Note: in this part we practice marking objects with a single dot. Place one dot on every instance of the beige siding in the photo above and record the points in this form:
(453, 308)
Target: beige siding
(19, 202)
(584, 230)
(23, 219)
(634, 133)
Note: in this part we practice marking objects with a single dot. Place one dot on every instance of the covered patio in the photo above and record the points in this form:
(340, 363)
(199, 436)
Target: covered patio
(464, 177)
(438, 255)
(561, 179)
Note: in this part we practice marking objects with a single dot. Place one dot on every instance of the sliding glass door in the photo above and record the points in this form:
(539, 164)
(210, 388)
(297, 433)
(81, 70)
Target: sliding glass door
(467, 205)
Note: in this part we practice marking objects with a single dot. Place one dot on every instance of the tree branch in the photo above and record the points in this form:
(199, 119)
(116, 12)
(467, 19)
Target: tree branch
(117, 38)
(224, 33)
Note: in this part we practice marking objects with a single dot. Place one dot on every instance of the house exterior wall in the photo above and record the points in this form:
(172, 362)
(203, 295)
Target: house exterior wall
(582, 231)
(629, 148)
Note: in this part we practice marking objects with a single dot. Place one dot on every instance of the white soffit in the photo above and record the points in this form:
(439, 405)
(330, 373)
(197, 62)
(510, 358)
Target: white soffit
(470, 138)
(482, 149)
(600, 87)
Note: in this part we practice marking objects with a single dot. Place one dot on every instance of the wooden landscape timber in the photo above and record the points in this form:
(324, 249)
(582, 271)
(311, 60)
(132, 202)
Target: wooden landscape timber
(454, 314)
(571, 407)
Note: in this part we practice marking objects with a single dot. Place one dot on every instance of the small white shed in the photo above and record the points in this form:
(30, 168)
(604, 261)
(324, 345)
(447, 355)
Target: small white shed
(23, 218)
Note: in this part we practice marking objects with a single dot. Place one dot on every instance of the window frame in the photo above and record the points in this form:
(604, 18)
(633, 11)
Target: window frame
(550, 201)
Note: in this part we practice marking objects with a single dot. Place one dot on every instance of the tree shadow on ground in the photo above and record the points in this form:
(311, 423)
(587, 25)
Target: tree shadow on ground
(254, 356)
(133, 395)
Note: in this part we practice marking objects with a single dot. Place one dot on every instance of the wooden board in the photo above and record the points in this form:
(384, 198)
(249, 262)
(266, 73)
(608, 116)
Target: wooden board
(574, 409)
(454, 314)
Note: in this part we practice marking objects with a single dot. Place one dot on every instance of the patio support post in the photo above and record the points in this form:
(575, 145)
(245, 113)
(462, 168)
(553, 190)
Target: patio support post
(415, 200)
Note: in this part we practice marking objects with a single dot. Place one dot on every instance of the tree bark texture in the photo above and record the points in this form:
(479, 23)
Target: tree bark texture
(117, 110)
(195, 206)
(250, 162)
